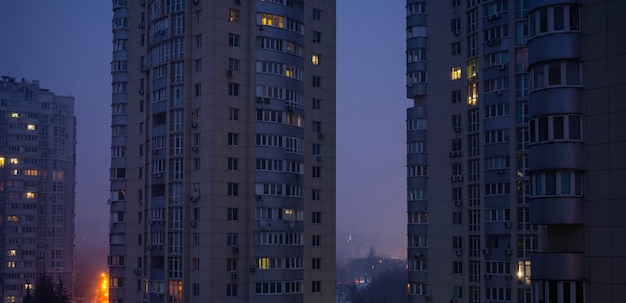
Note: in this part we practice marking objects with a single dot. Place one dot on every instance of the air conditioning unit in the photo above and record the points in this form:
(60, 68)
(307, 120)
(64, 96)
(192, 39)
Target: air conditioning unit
(458, 202)
(501, 66)
(319, 158)
(194, 223)
(458, 252)
(142, 24)
(507, 251)
(507, 224)
(157, 175)
(194, 149)
(194, 124)
(161, 32)
(235, 249)
(458, 153)
(141, 91)
(259, 197)
(229, 73)
(457, 32)
(320, 136)
(457, 129)
(452, 154)
(486, 251)
(234, 275)
(453, 178)
(253, 268)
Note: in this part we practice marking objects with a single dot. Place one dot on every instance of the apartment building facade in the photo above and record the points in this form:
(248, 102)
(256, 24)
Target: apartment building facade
(37, 182)
(512, 147)
(223, 151)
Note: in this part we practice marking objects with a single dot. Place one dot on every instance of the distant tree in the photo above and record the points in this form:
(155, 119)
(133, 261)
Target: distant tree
(60, 293)
(47, 292)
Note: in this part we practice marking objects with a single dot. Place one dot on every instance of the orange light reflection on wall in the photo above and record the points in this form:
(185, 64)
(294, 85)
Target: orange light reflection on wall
(103, 290)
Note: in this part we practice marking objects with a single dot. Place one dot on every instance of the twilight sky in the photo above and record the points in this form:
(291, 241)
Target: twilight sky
(66, 45)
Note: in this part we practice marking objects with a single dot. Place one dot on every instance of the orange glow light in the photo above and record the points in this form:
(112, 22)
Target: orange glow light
(103, 291)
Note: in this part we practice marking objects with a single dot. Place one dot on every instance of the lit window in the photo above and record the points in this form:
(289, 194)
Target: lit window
(15, 115)
(30, 195)
(31, 127)
(12, 252)
(272, 20)
(15, 172)
(1, 162)
(456, 73)
(11, 264)
(28, 286)
(315, 59)
(472, 94)
(31, 172)
(13, 218)
(233, 15)
(13, 161)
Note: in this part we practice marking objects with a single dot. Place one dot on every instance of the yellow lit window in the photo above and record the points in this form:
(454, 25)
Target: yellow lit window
(13, 218)
(472, 69)
(523, 272)
(12, 253)
(13, 161)
(472, 94)
(272, 20)
(15, 172)
(28, 286)
(1, 162)
(11, 264)
(30, 172)
(263, 263)
(456, 73)
(58, 176)
(31, 127)
(315, 59)
(30, 195)
(15, 115)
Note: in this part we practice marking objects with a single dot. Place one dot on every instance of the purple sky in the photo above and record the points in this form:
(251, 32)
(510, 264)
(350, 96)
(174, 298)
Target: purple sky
(67, 46)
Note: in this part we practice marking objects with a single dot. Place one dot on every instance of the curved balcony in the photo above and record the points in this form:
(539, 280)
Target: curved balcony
(558, 266)
(557, 210)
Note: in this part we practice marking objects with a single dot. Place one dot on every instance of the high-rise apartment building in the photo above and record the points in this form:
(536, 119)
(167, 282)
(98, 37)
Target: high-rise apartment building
(223, 151)
(37, 181)
(514, 151)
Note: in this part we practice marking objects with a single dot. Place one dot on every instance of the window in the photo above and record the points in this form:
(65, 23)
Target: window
(233, 214)
(457, 267)
(231, 239)
(317, 171)
(419, 289)
(317, 103)
(416, 147)
(317, 37)
(317, 14)
(457, 218)
(316, 217)
(233, 114)
(417, 218)
(455, 26)
(231, 290)
(456, 48)
(455, 74)
(316, 263)
(316, 240)
(317, 80)
(233, 15)
(416, 55)
(497, 136)
(557, 183)
(233, 164)
(198, 40)
(456, 96)
(556, 74)
(198, 89)
(316, 194)
(316, 286)
(555, 128)
(472, 94)
(315, 59)
(233, 139)
(233, 40)
(233, 189)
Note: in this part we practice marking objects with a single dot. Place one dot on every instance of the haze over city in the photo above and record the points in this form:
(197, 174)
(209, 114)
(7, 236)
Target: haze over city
(67, 47)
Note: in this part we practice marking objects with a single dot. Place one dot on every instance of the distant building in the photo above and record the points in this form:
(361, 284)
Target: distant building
(37, 180)
(223, 151)
(515, 151)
